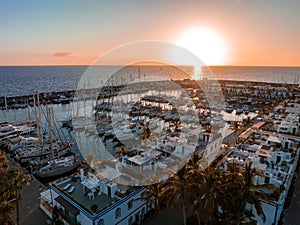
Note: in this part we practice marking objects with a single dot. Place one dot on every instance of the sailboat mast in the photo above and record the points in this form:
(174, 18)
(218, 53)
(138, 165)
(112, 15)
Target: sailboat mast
(49, 120)
(37, 117)
(5, 102)
(15, 116)
(28, 112)
(84, 105)
(39, 121)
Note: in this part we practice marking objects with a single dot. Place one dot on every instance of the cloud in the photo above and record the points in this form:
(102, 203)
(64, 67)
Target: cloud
(63, 54)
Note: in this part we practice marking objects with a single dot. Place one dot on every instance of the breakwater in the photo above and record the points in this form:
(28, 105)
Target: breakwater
(65, 97)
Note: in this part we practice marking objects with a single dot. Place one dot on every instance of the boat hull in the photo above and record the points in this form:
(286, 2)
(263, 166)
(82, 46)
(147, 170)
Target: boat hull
(58, 172)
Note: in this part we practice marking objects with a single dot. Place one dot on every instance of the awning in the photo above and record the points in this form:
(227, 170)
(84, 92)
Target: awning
(68, 206)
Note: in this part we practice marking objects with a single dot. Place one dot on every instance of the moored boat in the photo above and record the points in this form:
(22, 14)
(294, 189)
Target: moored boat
(58, 167)
(246, 109)
(229, 109)
(239, 111)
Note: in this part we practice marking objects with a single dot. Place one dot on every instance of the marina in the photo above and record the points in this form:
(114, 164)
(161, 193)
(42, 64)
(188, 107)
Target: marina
(125, 138)
(150, 112)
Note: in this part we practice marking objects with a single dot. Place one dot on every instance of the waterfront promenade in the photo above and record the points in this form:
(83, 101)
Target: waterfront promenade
(29, 211)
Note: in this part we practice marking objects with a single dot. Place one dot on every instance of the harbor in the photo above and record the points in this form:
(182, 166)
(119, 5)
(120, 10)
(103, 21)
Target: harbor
(122, 138)
(142, 113)
(67, 96)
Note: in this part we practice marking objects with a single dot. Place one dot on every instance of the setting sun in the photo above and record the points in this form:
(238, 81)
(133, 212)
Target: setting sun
(207, 44)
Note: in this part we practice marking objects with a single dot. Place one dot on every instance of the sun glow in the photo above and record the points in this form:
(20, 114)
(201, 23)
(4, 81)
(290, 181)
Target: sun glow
(205, 43)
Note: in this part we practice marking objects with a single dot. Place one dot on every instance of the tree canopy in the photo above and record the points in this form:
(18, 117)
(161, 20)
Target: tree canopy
(215, 196)
(11, 179)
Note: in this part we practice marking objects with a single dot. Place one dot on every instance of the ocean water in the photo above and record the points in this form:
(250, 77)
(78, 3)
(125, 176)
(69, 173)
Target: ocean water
(289, 75)
(24, 80)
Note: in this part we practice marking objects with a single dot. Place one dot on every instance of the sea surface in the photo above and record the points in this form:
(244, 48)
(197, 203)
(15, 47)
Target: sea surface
(24, 80)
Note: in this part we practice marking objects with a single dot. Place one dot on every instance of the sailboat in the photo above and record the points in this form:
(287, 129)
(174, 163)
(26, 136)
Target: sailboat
(41, 149)
(57, 166)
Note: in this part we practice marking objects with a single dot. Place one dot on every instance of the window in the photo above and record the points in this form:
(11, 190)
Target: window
(118, 212)
(130, 204)
(130, 221)
(101, 222)
(143, 211)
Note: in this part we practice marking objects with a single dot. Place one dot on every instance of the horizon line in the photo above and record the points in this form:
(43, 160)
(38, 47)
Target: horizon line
(146, 64)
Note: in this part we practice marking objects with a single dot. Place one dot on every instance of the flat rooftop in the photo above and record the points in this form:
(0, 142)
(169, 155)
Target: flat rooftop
(102, 200)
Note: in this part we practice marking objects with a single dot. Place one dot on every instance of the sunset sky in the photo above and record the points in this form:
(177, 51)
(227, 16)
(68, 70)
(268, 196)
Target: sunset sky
(76, 32)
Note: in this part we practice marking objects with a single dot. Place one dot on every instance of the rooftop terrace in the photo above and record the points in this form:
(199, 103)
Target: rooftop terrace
(82, 197)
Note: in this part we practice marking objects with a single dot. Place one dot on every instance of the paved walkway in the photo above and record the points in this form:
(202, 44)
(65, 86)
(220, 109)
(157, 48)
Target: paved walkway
(29, 211)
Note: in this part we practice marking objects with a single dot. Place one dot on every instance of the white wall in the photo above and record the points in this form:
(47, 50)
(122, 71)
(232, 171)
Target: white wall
(212, 149)
(270, 213)
(109, 217)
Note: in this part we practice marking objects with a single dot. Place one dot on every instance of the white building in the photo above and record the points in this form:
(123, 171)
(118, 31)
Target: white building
(213, 148)
(276, 156)
(91, 200)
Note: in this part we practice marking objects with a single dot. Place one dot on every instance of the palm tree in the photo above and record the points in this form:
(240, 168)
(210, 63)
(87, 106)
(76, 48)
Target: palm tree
(176, 192)
(153, 192)
(252, 193)
(231, 197)
(239, 189)
(211, 180)
(153, 195)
